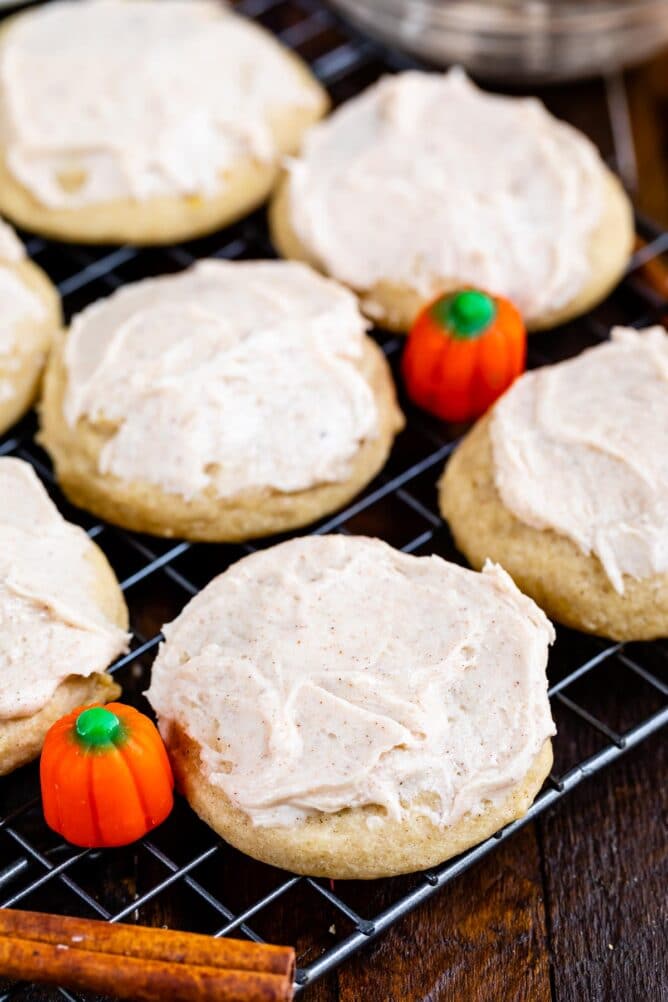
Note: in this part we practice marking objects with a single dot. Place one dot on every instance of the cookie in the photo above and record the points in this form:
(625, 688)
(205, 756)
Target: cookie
(144, 122)
(62, 615)
(424, 184)
(29, 316)
(230, 401)
(337, 708)
(564, 484)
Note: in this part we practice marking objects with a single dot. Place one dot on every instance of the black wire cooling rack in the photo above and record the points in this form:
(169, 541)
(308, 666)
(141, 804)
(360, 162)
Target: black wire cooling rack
(606, 697)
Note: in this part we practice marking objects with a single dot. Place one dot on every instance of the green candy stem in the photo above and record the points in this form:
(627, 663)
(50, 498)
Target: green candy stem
(97, 727)
(467, 314)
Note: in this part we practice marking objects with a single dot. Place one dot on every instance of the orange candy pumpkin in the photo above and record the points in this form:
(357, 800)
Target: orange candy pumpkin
(106, 779)
(463, 351)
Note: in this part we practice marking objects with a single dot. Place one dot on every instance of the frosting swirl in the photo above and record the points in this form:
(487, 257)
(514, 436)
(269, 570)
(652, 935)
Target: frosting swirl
(424, 181)
(229, 376)
(20, 305)
(580, 448)
(336, 672)
(112, 99)
(51, 625)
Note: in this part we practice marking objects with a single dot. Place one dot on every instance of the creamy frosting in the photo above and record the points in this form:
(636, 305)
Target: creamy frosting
(426, 181)
(337, 672)
(581, 448)
(20, 304)
(233, 376)
(106, 99)
(12, 250)
(50, 623)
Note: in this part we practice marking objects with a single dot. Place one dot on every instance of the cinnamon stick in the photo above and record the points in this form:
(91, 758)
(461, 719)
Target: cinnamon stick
(144, 942)
(146, 965)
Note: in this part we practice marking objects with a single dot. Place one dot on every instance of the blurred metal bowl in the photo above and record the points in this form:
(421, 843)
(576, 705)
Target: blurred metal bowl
(521, 40)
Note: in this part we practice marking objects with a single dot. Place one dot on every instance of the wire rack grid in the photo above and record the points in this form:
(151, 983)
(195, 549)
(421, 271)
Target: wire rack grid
(606, 697)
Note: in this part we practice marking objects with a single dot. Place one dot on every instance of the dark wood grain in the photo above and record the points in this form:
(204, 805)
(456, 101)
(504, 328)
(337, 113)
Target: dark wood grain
(483, 938)
(606, 884)
(573, 910)
(648, 103)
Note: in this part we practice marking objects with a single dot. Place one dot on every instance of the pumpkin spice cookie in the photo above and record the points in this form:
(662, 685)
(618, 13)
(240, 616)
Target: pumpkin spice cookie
(62, 616)
(147, 122)
(565, 483)
(424, 184)
(30, 313)
(233, 400)
(337, 708)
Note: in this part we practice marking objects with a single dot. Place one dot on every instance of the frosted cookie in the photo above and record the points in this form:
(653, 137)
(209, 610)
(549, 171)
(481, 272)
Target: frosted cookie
(424, 183)
(62, 616)
(566, 484)
(29, 316)
(230, 401)
(337, 708)
(132, 120)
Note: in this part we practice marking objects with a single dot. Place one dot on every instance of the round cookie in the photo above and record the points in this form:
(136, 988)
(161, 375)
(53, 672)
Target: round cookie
(31, 313)
(223, 100)
(63, 617)
(568, 582)
(336, 708)
(358, 844)
(410, 268)
(255, 404)
(395, 306)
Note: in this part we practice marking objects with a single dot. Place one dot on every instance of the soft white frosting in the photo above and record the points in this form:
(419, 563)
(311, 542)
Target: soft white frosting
(12, 250)
(142, 98)
(234, 376)
(426, 181)
(333, 672)
(51, 625)
(18, 304)
(582, 448)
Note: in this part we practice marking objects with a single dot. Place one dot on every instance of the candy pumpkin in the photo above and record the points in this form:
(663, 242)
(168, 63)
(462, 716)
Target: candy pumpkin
(106, 779)
(463, 351)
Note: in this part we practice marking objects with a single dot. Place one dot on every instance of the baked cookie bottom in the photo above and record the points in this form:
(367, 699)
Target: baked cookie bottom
(22, 368)
(144, 507)
(395, 306)
(21, 738)
(165, 220)
(345, 846)
(569, 585)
